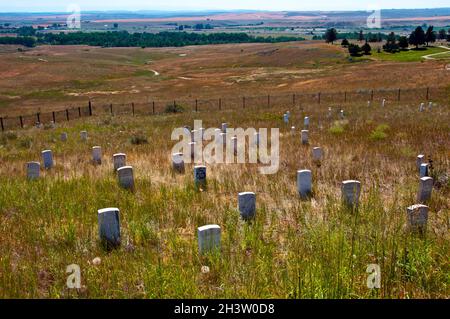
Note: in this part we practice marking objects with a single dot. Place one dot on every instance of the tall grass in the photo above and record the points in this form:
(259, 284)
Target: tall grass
(293, 248)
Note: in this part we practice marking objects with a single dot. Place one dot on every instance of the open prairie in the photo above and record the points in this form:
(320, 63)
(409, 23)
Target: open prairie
(55, 77)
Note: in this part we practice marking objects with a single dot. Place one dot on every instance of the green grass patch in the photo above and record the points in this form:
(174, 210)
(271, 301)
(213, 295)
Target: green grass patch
(411, 55)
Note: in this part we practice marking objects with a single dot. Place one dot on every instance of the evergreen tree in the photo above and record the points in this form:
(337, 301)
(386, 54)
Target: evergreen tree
(430, 35)
(331, 35)
(417, 37)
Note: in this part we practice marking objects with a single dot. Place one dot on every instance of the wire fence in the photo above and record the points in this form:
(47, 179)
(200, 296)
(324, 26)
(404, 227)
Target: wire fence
(154, 107)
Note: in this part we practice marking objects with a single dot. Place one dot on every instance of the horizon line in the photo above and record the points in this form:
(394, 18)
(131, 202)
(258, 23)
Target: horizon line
(211, 10)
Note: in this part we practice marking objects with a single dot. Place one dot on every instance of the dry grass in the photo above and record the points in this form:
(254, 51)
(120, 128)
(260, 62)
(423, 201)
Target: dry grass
(294, 248)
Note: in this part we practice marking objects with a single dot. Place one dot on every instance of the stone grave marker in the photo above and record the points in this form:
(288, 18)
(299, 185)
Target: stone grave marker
(119, 160)
(109, 227)
(425, 189)
(33, 170)
(126, 179)
(247, 205)
(178, 162)
(351, 190)
(47, 157)
(208, 238)
(97, 155)
(304, 183)
(305, 137)
(417, 216)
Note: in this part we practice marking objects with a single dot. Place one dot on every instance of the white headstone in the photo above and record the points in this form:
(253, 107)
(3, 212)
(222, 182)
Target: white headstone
(292, 129)
(126, 179)
(33, 170)
(430, 105)
(200, 175)
(47, 157)
(178, 162)
(306, 122)
(419, 161)
(83, 135)
(305, 136)
(329, 112)
(119, 160)
(417, 217)
(425, 188)
(317, 154)
(351, 190)
(109, 226)
(304, 183)
(97, 155)
(64, 137)
(342, 114)
(383, 103)
(247, 205)
(421, 107)
(285, 118)
(208, 238)
(369, 103)
(423, 171)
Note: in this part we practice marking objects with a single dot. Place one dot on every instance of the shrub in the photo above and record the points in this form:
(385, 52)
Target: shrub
(379, 133)
(138, 140)
(173, 108)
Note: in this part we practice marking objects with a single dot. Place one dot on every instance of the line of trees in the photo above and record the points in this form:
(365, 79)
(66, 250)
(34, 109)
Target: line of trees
(162, 39)
(394, 43)
(25, 41)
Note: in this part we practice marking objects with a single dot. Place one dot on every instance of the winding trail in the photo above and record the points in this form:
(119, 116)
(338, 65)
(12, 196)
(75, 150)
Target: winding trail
(430, 56)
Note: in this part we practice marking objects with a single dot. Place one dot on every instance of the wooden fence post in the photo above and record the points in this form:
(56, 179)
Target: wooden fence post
(79, 111)
(220, 104)
(21, 121)
(319, 96)
(268, 100)
(196, 105)
(132, 107)
(38, 117)
(67, 115)
(1, 122)
(54, 117)
(293, 99)
(90, 108)
(345, 96)
(399, 94)
(153, 106)
(371, 96)
(428, 93)
(111, 109)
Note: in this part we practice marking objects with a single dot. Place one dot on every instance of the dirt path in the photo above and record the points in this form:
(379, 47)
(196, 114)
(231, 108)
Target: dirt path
(430, 56)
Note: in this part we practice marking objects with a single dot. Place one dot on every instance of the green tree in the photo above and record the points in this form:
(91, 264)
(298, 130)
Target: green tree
(391, 43)
(345, 43)
(417, 37)
(331, 35)
(354, 49)
(116, 25)
(366, 48)
(361, 36)
(442, 34)
(430, 35)
(403, 42)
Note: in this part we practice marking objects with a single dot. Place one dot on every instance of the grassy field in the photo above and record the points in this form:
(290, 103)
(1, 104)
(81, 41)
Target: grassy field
(314, 248)
(52, 78)
(410, 55)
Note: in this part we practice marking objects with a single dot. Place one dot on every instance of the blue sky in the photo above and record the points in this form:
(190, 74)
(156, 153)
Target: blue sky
(275, 5)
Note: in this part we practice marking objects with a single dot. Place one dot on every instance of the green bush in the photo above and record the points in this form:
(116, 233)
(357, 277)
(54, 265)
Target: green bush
(138, 140)
(173, 108)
